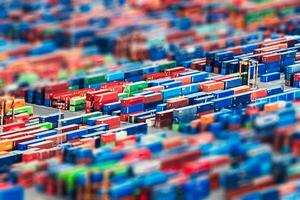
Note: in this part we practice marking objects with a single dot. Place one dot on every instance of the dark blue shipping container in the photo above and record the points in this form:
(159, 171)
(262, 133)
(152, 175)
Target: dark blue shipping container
(172, 84)
(132, 109)
(92, 121)
(233, 82)
(203, 99)
(199, 77)
(270, 77)
(241, 99)
(45, 134)
(222, 102)
(24, 145)
(223, 93)
(76, 134)
(110, 107)
(275, 90)
(161, 107)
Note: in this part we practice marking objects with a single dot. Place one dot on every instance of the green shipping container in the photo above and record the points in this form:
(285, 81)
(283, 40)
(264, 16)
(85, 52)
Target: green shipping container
(136, 87)
(166, 64)
(77, 108)
(175, 127)
(46, 125)
(122, 95)
(94, 79)
(75, 101)
(86, 116)
(24, 109)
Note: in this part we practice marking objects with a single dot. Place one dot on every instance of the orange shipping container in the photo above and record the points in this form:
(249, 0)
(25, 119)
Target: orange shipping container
(271, 107)
(172, 142)
(213, 87)
(184, 79)
(207, 119)
(241, 89)
(6, 145)
(201, 84)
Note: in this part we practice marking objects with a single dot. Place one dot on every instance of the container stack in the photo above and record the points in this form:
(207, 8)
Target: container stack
(167, 99)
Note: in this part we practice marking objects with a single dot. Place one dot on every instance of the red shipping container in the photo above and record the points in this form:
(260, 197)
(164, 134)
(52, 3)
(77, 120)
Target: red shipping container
(173, 142)
(42, 145)
(57, 86)
(138, 154)
(182, 34)
(153, 98)
(101, 99)
(297, 77)
(30, 156)
(297, 56)
(131, 139)
(29, 128)
(130, 101)
(154, 89)
(296, 147)
(112, 122)
(271, 58)
(90, 95)
(175, 162)
(177, 102)
(20, 51)
(173, 72)
(259, 94)
(273, 42)
(236, 50)
(57, 139)
(114, 86)
(223, 78)
(155, 76)
(24, 117)
(108, 138)
(13, 126)
(15, 135)
(125, 117)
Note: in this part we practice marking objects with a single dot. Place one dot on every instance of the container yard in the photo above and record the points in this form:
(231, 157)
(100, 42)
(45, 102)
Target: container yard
(150, 100)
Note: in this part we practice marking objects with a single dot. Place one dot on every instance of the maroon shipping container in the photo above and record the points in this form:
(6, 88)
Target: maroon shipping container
(18, 140)
(68, 128)
(42, 145)
(163, 115)
(236, 50)
(164, 123)
(199, 64)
